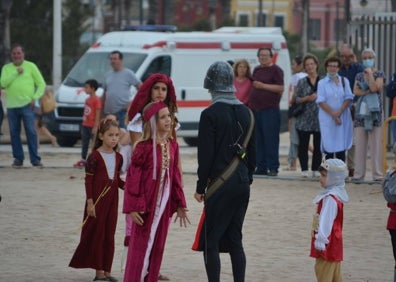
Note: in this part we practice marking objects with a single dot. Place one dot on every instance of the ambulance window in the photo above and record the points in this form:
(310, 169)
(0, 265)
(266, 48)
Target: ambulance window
(160, 64)
(96, 65)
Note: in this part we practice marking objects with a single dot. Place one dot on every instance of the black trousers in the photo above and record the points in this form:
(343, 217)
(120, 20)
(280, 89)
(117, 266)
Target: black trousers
(303, 145)
(338, 155)
(393, 239)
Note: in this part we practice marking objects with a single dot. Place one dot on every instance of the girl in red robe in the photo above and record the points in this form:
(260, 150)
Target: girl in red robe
(153, 193)
(157, 87)
(102, 180)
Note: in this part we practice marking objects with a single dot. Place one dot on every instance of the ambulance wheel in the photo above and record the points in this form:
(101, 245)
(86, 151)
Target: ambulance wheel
(191, 141)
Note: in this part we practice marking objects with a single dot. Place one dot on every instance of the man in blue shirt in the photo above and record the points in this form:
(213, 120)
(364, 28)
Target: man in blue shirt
(349, 69)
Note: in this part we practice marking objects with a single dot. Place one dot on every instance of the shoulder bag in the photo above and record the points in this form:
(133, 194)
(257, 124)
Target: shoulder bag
(219, 181)
(47, 101)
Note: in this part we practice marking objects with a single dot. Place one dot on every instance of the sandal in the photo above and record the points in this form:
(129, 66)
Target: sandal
(163, 277)
(290, 168)
(100, 279)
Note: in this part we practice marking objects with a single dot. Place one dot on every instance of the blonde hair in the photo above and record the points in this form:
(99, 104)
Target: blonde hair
(147, 129)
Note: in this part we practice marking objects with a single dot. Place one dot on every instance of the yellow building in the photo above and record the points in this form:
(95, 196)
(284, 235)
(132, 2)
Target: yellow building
(274, 13)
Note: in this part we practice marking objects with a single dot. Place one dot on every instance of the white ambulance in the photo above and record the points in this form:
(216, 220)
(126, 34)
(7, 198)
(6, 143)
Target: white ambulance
(184, 56)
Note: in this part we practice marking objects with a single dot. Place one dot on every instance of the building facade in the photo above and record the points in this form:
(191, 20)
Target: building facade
(325, 26)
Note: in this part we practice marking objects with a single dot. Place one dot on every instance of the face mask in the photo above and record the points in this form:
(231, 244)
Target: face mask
(369, 63)
(331, 75)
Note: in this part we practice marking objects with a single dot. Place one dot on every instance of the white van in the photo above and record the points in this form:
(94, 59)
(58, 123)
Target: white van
(184, 56)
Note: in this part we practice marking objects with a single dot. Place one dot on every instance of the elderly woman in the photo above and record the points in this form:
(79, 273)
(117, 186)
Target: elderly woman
(335, 120)
(307, 123)
(368, 121)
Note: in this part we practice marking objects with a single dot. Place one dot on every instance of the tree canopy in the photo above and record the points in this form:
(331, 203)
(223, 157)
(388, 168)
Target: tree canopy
(31, 24)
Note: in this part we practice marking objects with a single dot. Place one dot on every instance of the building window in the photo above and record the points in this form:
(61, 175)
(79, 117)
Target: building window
(279, 21)
(314, 29)
(243, 20)
(339, 29)
(263, 19)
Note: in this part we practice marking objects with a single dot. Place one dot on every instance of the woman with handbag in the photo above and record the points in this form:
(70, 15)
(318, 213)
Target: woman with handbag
(368, 131)
(298, 73)
(307, 123)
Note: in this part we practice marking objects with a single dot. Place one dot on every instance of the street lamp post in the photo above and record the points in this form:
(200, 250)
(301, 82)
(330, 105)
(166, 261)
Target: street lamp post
(140, 11)
(304, 34)
(57, 45)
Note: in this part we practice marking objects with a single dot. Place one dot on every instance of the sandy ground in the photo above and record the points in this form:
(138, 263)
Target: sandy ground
(41, 212)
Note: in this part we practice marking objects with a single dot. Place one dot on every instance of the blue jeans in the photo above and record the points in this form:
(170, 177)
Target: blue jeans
(393, 129)
(267, 126)
(121, 115)
(15, 116)
(1, 114)
(86, 136)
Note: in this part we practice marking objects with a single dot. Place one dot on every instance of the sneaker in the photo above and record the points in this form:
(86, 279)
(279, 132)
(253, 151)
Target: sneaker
(17, 164)
(39, 165)
(260, 172)
(111, 278)
(304, 173)
(315, 174)
(273, 172)
(80, 164)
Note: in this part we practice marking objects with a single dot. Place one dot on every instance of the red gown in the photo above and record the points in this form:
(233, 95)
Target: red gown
(391, 225)
(142, 193)
(96, 247)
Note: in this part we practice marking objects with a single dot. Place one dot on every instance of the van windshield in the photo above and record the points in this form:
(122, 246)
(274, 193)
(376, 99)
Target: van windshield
(94, 65)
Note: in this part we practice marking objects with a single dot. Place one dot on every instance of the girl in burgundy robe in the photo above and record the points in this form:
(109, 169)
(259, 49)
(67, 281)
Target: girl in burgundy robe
(153, 193)
(102, 180)
(157, 87)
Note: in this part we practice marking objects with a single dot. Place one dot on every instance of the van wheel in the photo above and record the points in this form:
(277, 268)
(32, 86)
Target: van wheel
(191, 141)
(64, 141)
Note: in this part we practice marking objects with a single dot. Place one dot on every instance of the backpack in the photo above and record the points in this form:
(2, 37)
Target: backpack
(389, 186)
(391, 87)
